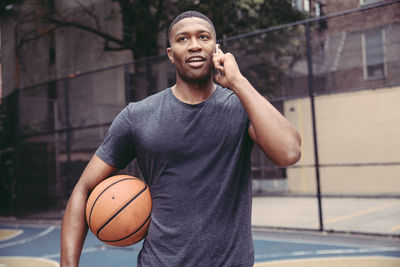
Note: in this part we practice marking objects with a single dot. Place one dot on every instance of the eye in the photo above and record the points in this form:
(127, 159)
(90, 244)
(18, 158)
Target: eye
(181, 39)
(204, 37)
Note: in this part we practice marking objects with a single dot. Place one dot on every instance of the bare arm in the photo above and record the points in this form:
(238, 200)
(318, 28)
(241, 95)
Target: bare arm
(74, 227)
(276, 136)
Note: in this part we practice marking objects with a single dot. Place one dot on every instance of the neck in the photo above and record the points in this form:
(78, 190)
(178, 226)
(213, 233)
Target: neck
(193, 92)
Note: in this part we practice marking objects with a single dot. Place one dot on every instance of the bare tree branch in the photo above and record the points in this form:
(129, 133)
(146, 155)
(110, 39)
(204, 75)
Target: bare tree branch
(35, 35)
(107, 47)
(89, 13)
(86, 28)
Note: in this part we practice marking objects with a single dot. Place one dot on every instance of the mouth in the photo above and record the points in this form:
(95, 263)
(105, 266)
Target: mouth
(196, 61)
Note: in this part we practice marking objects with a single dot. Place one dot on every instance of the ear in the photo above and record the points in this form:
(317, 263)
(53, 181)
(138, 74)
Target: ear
(170, 54)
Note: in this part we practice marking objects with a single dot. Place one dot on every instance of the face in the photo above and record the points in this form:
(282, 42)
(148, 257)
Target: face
(192, 48)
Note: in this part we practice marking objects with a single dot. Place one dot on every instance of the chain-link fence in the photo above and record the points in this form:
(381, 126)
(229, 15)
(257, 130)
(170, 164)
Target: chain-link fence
(336, 78)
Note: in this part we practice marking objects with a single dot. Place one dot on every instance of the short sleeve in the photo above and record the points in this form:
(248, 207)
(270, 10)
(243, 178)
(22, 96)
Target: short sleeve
(117, 148)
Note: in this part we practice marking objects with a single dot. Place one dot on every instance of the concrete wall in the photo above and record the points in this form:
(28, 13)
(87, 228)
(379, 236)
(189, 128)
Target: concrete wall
(358, 131)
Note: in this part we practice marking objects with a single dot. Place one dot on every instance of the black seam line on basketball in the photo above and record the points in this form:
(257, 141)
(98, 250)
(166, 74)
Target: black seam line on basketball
(105, 189)
(148, 218)
(119, 211)
(94, 203)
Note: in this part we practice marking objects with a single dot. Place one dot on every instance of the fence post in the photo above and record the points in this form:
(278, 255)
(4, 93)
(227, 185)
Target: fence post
(14, 193)
(127, 85)
(314, 128)
(68, 134)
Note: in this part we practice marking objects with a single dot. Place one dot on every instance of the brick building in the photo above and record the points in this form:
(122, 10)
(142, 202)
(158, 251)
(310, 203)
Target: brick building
(353, 51)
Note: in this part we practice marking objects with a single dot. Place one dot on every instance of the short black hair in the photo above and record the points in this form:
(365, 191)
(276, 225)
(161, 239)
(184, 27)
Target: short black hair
(189, 14)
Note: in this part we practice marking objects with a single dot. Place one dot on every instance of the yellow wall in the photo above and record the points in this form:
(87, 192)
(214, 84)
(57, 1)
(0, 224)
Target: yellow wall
(352, 128)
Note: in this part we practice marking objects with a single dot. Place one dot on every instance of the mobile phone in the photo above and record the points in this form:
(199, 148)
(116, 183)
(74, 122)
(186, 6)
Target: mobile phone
(216, 52)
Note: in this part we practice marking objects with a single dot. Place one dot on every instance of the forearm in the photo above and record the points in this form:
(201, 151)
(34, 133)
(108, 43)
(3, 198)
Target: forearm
(73, 229)
(275, 135)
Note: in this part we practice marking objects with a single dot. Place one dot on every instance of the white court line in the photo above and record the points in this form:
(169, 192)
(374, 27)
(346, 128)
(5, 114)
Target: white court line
(55, 263)
(308, 242)
(395, 228)
(28, 239)
(325, 252)
(317, 242)
(322, 260)
(14, 235)
(359, 213)
(85, 250)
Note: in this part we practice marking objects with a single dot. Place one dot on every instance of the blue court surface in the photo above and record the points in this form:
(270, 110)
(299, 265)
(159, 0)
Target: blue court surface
(41, 242)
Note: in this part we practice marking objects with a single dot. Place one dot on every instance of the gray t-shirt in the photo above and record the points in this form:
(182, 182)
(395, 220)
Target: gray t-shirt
(196, 161)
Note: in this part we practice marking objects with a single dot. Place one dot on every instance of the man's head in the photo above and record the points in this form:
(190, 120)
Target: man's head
(189, 14)
(192, 45)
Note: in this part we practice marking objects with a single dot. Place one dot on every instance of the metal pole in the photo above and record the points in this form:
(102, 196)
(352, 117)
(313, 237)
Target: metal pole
(56, 148)
(314, 128)
(14, 190)
(68, 134)
(127, 85)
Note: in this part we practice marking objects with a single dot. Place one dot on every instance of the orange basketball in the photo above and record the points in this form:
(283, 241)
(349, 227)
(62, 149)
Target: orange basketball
(118, 210)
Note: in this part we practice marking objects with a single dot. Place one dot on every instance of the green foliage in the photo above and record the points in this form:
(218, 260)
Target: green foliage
(147, 19)
(237, 17)
(145, 22)
(270, 55)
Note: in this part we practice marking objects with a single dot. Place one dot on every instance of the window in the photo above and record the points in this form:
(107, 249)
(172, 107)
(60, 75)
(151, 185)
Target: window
(318, 9)
(367, 2)
(297, 4)
(302, 5)
(373, 54)
(307, 5)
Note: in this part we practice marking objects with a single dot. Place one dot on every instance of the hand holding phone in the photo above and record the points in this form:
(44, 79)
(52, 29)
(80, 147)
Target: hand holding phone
(227, 69)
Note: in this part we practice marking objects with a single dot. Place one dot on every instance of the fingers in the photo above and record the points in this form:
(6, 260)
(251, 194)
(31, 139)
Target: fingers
(218, 61)
(227, 68)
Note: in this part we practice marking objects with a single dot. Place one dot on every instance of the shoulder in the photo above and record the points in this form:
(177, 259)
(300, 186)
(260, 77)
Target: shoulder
(223, 92)
(149, 103)
(227, 96)
(139, 112)
(230, 103)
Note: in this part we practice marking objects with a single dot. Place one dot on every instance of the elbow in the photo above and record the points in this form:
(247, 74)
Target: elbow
(293, 152)
(290, 158)
(284, 154)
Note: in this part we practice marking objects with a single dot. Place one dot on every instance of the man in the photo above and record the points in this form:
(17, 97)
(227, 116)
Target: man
(193, 143)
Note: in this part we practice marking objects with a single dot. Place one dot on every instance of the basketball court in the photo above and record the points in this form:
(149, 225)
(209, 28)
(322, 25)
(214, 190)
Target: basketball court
(37, 244)
(338, 85)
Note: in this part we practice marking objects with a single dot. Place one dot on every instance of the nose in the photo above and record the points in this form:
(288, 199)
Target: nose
(194, 45)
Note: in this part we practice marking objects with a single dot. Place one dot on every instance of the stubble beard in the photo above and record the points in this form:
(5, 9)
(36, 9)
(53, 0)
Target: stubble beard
(199, 80)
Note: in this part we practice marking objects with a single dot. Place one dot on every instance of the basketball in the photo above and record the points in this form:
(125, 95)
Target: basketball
(118, 210)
